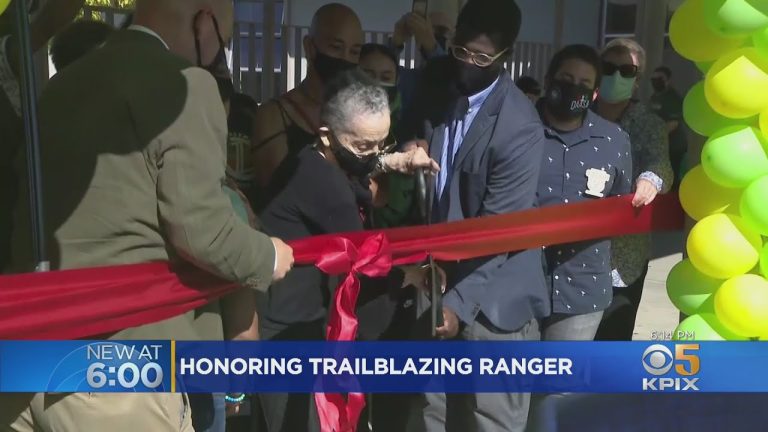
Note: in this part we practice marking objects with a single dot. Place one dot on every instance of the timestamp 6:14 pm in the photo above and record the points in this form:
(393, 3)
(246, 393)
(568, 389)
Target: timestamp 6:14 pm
(668, 335)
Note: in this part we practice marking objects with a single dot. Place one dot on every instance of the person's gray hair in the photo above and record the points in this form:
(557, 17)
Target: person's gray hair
(630, 46)
(350, 95)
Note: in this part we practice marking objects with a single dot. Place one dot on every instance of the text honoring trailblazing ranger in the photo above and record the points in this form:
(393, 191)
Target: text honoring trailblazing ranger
(379, 366)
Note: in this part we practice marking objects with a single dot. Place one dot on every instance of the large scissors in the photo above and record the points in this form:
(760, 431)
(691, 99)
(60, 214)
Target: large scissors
(435, 282)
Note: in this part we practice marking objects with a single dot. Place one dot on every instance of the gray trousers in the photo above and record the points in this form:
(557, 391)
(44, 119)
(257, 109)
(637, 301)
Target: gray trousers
(291, 412)
(562, 327)
(481, 412)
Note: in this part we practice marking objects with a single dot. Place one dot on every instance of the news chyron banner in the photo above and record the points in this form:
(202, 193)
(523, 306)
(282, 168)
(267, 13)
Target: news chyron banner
(378, 367)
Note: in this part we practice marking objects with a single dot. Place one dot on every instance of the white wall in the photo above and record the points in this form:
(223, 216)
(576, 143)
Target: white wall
(582, 17)
(538, 21)
(376, 15)
(582, 22)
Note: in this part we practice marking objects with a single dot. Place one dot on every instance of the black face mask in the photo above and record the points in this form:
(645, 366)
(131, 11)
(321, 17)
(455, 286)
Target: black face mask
(472, 79)
(218, 67)
(328, 67)
(658, 84)
(567, 101)
(352, 164)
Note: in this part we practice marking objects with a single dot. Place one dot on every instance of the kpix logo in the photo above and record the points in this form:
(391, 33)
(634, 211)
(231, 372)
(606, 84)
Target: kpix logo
(659, 361)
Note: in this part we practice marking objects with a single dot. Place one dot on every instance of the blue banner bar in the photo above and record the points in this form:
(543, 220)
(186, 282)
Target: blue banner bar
(85, 366)
(380, 367)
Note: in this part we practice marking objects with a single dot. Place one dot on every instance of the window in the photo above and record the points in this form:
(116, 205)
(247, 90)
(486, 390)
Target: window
(620, 19)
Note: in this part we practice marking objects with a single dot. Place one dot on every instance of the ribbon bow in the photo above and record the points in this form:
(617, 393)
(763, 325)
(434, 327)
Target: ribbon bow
(373, 259)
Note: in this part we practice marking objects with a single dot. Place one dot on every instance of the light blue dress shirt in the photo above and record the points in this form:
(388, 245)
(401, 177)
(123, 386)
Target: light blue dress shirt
(454, 137)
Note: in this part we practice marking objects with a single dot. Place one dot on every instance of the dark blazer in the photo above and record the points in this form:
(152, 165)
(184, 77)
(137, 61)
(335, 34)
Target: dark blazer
(495, 171)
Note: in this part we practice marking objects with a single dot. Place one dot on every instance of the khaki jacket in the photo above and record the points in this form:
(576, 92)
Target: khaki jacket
(133, 155)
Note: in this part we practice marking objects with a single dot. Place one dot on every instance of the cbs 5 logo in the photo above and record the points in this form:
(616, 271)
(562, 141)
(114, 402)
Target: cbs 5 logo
(658, 359)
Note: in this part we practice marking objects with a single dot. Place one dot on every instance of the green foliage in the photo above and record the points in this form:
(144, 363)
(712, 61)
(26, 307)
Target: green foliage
(111, 4)
(120, 4)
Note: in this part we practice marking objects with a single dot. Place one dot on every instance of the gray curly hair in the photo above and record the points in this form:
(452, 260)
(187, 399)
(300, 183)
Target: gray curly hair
(350, 95)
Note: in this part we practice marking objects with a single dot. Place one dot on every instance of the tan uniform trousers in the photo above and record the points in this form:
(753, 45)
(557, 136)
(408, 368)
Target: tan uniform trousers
(87, 412)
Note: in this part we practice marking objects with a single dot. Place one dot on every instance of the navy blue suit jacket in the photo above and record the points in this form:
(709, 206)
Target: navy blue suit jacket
(495, 171)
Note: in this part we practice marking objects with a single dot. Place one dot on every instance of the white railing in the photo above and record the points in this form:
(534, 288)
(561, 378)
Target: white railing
(528, 59)
(268, 59)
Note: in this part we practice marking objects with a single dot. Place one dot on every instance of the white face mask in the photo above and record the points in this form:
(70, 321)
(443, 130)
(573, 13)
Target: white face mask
(615, 88)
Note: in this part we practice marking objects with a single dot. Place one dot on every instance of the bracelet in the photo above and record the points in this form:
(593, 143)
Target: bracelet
(234, 400)
(380, 168)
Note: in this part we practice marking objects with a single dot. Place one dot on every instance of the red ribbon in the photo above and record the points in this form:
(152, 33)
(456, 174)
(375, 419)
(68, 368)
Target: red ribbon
(80, 303)
(72, 304)
(373, 259)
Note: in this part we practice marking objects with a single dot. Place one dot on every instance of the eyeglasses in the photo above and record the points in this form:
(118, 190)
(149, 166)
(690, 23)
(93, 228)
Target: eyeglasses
(478, 59)
(626, 70)
(385, 146)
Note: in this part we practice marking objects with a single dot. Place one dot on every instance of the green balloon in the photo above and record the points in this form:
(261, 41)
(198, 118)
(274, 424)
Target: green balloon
(734, 17)
(688, 288)
(760, 41)
(704, 66)
(701, 118)
(704, 327)
(754, 205)
(736, 156)
(764, 261)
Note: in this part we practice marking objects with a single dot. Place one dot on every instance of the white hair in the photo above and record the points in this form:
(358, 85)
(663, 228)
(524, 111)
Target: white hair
(351, 95)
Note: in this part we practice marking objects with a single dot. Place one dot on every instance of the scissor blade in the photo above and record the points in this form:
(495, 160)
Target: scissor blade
(436, 297)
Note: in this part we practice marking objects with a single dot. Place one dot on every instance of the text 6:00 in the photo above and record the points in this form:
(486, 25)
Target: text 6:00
(128, 375)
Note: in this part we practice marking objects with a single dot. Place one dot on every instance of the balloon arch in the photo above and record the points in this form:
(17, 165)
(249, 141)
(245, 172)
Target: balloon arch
(722, 286)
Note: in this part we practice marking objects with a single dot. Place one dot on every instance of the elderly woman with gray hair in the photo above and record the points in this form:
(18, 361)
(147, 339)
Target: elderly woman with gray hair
(321, 193)
(623, 63)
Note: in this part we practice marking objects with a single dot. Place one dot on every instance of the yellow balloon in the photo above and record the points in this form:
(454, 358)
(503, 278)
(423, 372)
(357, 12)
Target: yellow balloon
(693, 39)
(3, 5)
(722, 246)
(764, 123)
(741, 305)
(737, 84)
(701, 197)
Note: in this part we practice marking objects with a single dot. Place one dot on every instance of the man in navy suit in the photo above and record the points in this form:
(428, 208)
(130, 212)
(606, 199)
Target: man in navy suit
(488, 139)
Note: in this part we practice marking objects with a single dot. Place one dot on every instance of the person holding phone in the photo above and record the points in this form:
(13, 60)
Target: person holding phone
(420, 7)
(431, 31)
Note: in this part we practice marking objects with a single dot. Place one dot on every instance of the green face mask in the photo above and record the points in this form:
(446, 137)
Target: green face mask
(615, 88)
